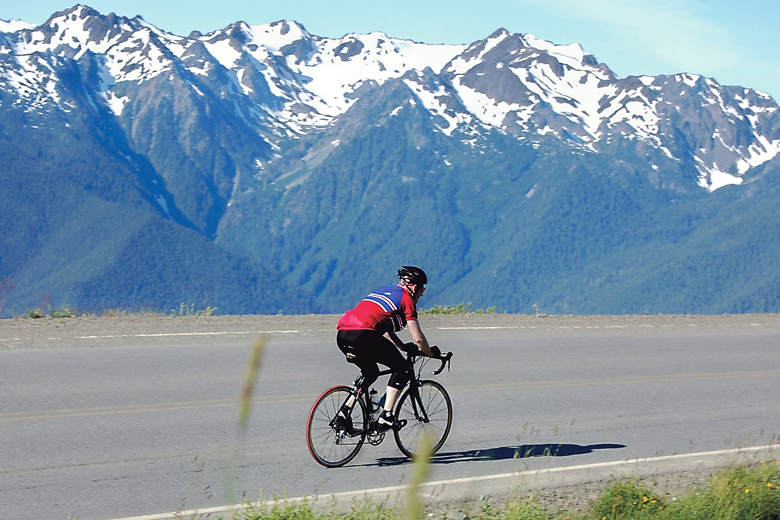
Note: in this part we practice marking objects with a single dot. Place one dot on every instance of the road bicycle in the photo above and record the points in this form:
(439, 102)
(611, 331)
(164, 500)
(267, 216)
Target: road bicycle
(423, 409)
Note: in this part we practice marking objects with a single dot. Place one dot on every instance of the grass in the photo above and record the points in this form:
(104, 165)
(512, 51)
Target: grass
(461, 308)
(190, 310)
(66, 311)
(361, 510)
(740, 493)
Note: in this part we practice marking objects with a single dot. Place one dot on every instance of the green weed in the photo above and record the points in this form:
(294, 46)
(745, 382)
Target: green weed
(736, 494)
(627, 500)
(189, 310)
(67, 311)
(461, 308)
(64, 311)
(361, 510)
(539, 312)
(742, 493)
(35, 313)
(420, 468)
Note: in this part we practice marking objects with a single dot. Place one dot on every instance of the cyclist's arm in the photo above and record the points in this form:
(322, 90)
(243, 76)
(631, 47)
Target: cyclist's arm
(392, 336)
(419, 337)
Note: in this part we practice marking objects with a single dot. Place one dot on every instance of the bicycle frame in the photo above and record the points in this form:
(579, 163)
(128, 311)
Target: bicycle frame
(412, 386)
(423, 408)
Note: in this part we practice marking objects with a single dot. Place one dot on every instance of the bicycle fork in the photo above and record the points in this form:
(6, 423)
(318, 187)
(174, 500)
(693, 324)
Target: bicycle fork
(419, 411)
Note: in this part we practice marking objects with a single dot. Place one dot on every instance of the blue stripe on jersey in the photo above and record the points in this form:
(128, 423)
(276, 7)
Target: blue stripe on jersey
(387, 297)
(386, 304)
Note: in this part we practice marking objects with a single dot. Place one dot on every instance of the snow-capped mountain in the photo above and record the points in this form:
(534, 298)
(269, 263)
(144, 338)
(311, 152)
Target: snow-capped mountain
(9, 26)
(529, 87)
(140, 167)
(299, 79)
(282, 81)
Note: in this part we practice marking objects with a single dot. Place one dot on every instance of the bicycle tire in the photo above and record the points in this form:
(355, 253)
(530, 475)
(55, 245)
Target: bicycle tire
(329, 445)
(438, 407)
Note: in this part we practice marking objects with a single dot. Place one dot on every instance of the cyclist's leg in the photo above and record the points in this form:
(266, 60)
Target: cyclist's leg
(357, 347)
(387, 354)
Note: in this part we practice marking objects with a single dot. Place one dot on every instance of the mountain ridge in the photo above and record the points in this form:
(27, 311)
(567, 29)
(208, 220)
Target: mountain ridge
(279, 149)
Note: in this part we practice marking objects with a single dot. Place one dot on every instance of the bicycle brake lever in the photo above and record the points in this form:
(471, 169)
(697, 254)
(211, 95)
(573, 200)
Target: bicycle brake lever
(445, 360)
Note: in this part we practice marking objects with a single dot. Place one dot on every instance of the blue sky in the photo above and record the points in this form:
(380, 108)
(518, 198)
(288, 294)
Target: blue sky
(737, 43)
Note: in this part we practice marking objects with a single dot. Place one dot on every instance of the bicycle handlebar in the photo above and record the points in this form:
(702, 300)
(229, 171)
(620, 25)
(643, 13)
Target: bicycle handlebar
(445, 359)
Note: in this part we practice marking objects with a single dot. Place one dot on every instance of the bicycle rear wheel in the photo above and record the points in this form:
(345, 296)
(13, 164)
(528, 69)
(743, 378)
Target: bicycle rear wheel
(430, 415)
(330, 444)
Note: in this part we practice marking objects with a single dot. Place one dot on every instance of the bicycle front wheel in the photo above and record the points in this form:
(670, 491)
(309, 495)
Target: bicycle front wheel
(428, 413)
(332, 444)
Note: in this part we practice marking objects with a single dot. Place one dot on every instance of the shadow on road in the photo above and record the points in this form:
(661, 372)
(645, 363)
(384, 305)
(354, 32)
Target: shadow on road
(504, 452)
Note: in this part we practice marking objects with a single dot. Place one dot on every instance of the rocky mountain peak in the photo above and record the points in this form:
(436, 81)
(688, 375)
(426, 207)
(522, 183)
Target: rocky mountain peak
(281, 78)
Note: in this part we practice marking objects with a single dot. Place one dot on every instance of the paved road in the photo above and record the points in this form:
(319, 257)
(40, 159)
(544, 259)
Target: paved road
(105, 424)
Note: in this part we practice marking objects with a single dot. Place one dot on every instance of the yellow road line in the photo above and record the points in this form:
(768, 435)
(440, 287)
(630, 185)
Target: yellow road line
(291, 398)
(630, 380)
(148, 407)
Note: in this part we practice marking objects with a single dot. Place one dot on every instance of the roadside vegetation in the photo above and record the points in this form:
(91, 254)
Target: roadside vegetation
(740, 493)
(66, 311)
(461, 308)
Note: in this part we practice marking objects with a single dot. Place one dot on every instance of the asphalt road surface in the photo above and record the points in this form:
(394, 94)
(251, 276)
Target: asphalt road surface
(118, 417)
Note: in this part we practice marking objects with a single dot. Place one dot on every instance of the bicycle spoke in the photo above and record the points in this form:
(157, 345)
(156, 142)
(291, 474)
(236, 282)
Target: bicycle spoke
(435, 406)
(330, 445)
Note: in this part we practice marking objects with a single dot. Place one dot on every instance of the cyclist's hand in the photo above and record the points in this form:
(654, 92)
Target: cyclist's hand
(409, 347)
(436, 351)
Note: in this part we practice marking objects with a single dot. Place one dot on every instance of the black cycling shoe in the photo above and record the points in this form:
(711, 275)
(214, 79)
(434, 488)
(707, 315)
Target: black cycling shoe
(385, 422)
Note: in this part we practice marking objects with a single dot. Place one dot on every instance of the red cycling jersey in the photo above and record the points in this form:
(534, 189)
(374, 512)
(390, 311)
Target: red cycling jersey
(384, 310)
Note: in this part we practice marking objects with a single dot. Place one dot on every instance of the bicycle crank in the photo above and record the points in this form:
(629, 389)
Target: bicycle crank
(375, 438)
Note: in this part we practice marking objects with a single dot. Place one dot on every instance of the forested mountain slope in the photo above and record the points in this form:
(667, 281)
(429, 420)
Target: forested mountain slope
(262, 168)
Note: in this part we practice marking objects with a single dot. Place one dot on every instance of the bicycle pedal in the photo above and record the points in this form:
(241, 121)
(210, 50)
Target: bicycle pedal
(400, 423)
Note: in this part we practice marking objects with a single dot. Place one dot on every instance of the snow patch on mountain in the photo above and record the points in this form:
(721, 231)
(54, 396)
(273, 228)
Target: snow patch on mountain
(33, 78)
(713, 178)
(281, 78)
(571, 55)
(116, 103)
(486, 109)
(437, 102)
(279, 34)
(336, 68)
(11, 26)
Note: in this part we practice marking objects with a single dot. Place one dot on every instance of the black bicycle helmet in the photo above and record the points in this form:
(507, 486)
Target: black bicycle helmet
(412, 274)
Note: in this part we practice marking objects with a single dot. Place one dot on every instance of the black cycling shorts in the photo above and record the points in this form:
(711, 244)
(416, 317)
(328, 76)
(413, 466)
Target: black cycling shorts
(366, 348)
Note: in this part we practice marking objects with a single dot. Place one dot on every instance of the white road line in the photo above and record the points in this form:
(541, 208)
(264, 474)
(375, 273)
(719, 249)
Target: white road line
(530, 327)
(475, 328)
(215, 333)
(169, 334)
(771, 450)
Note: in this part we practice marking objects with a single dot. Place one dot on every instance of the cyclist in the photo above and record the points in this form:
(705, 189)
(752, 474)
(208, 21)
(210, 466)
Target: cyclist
(367, 336)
